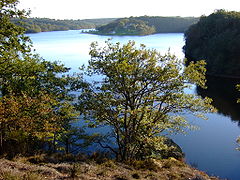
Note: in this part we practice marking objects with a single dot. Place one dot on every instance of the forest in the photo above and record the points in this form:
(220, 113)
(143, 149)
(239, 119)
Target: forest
(34, 25)
(145, 25)
(216, 39)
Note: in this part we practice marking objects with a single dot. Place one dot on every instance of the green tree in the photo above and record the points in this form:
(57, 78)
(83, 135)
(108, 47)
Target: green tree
(140, 95)
(34, 93)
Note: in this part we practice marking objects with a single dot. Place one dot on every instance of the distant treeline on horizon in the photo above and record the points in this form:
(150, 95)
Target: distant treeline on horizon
(145, 25)
(142, 25)
(35, 25)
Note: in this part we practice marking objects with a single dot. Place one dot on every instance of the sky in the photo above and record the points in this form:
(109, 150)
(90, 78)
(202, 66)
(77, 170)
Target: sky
(87, 9)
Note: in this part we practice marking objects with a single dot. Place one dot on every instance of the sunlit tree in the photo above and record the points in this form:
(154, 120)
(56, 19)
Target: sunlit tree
(34, 93)
(140, 95)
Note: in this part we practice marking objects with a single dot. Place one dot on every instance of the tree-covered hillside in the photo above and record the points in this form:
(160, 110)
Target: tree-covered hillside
(146, 25)
(33, 25)
(216, 38)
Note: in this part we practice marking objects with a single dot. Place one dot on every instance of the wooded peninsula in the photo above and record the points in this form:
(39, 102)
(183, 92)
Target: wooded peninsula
(145, 25)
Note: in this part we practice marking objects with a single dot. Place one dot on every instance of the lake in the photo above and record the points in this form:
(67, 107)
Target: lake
(212, 148)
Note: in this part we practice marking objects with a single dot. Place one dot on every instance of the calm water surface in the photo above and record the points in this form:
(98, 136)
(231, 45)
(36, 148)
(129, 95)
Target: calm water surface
(212, 148)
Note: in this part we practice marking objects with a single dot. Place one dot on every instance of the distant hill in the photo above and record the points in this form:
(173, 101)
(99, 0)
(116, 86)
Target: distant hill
(34, 25)
(144, 25)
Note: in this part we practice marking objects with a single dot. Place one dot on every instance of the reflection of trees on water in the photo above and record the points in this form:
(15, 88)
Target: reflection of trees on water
(224, 94)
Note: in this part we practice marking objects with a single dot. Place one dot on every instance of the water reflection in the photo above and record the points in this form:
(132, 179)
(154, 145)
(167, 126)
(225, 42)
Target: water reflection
(224, 94)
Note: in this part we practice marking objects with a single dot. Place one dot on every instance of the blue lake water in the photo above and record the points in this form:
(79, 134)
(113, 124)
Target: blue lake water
(212, 148)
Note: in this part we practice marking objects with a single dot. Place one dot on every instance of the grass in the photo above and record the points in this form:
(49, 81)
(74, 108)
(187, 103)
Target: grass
(167, 169)
(10, 175)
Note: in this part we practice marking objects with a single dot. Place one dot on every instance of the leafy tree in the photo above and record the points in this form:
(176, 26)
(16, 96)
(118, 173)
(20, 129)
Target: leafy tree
(140, 96)
(25, 119)
(34, 93)
(216, 38)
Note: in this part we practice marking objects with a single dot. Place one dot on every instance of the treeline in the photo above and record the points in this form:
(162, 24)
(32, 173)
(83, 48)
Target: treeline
(34, 25)
(144, 25)
(216, 38)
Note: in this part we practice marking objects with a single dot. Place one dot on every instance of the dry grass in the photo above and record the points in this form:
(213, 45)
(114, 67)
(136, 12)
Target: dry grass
(169, 169)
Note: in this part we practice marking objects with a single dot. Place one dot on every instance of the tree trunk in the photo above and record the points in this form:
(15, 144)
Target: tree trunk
(67, 146)
(54, 143)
